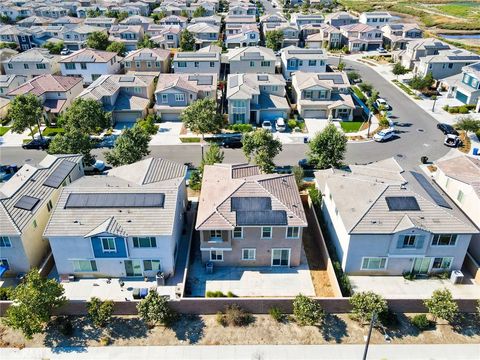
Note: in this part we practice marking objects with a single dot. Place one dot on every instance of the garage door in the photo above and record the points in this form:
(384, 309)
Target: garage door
(315, 114)
(272, 115)
(462, 97)
(127, 116)
(170, 116)
(373, 46)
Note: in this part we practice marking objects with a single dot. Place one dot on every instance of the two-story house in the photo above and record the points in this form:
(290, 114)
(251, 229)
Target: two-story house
(90, 64)
(32, 63)
(51, 11)
(300, 20)
(321, 36)
(416, 49)
(396, 36)
(101, 21)
(27, 200)
(143, 21)
(147, 60)
(294, 59)
(8, 34)
(241, 8)
(196, 62)
(251, 59)
(175, 92)
(204, 33)
(166, 36)
(235, 20)
(361, 37)
(5, 54)
(341, 18)
(322, 95)
(393, 225)
(127, 97)
(125, 224)
(376, 19)
(76, 38)
(34, 21)
(466, 85)
(274, 18)
(10, 82)
(446, 63)
(129, 35)
(213, 20)
(254, 98)
(246, 218)
(174, 20)
(241, 36)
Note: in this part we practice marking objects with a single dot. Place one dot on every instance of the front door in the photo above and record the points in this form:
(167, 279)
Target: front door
(280, 257)
(133, 268)
(421, 265)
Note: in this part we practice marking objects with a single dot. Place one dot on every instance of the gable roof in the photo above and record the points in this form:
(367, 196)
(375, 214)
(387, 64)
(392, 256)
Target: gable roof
(462, 168)
(90, 56)
(190, 82)
(250, 53)
(46, 83)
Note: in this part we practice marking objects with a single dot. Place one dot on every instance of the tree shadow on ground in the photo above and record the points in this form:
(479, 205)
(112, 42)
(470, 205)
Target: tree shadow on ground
(467, 324)
(127, 328)
(189, 328)
(334, 328)
(402, 328)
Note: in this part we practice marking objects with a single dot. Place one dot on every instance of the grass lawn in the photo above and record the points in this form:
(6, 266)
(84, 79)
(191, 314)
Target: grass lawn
(190, 139)
(351, 126)
(52, 131)
(4, 130)
(461, 9)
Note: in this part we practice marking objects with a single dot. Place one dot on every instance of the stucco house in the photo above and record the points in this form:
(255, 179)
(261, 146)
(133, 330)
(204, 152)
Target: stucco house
(446, 63)
(196, 62)
(418, 49)
(465, 86)
(147, 60)
(32, 63)
(320, 36)
(294, 59)
(10, 82)
(361, 37)
(246, 218)
(241, 36)
(129, 35)
(166, 36)
(377, 19)
(250, 59)
(5, 54)
(300, 20)
(396, 36)
(341, 18)
(204, 33)
(75, 38)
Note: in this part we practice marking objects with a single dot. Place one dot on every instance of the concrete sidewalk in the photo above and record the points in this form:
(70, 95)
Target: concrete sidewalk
(260, 352)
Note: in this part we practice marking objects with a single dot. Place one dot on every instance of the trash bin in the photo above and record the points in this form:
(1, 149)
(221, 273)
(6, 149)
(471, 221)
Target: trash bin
(143, 293)
(476, 151)
(160, 278)
(209, 268)
(424, 159)
(136, 293)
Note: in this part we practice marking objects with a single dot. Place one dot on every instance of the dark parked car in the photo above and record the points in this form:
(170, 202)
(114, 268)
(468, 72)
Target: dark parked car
(233, 142)
(38, 144)
(306, 165)
(107, 142)
(447, 129)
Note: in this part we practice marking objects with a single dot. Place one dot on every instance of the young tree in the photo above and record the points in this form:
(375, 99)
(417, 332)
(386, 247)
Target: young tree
(421, 83)
(146, 42)
(366, 87)
(365, 304)
(73, 141)
(399, 69)
(307, 311)
(86, 115)
(154, 309)
(54, 47)
(214, 155)
(262, 147)
(187, 41)
(33, 302)
(274, 39)
(299, 175)
(100, 312)
(468, 124)
(202, 117)
(131, 146)
(25, 112)
(353, 75)
(441, 305)
(371, 100)
(148, 124)
(199, 12)
(118, 47)
(98, 40)
(327, 148)
(341, 66)
(184, 13)
(158, 16)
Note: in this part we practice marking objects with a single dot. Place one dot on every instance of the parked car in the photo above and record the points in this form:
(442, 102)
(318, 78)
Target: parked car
(452, 140)
(65, 51)
(447, 129)
(38, 144)
(280, 125)
(94, 166)
(267, 125)
(381, 50)
(382, 103)
(106, 142)
(384, 135)
(306, 164)
(233, 142)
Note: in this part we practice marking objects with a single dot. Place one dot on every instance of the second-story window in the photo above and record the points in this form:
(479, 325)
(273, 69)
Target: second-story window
(182, 64)
(444, 240)
(215, 234)
(179, 97)
(312, 62)
(238, 233)
(164, 98)
(128, 64)
(196, 64)
(265, 63)
(70, 66)
(293, 232)
(144, 242)
(5, 241)
(266, 232)
(83, 66)
(26, 67)
(212, 64)
(41, 66)
(108, 244)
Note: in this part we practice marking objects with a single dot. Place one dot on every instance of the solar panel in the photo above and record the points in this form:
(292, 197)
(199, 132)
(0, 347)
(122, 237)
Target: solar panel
(261, 217)
(402, 203)
(430, 190)
(233, 81)
(118, 200)
(251, 203)
(201, 79)
(26, 203)
(58, 175)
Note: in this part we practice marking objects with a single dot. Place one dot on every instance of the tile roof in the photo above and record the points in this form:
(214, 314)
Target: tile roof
(462, 168)
(147, 54)
(107, 85)
(37, 55)
(190, 82)
(46, 83)
(89, 56)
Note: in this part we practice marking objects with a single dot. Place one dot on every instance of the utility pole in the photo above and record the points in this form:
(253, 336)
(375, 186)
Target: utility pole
(372, 322)
(434, 97)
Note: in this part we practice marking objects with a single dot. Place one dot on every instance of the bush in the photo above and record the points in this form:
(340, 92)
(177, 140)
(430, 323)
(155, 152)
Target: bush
(421, 322)
(454, 110)
(235, 316)
(315, 196)
(5, 293)
(148, 124)
(215, 294)
(276, 314)
(463, 110)
(383, 122)
(366, 87)
(388, 318)
(365, 304)
(154, 309)
(231, 294)
(307, 311)
(441, 305)
(100, 311)
(243, 128)
(195, 181)
(292, 123)
(220, 319)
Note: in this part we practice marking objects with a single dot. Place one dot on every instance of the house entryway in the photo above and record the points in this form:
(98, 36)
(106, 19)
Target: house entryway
(133, 268)
(421, 265)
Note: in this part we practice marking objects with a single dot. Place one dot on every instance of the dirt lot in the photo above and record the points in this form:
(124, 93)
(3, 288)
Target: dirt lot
(264, 330)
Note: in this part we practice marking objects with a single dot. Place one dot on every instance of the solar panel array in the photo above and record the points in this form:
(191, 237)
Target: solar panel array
(115, 200)
(402, 203)
(261, 217)
(430, 190)
(57, 177)
(26, 203)
(251, 203)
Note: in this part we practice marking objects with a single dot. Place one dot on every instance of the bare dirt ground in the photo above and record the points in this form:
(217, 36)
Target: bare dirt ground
(204, 330)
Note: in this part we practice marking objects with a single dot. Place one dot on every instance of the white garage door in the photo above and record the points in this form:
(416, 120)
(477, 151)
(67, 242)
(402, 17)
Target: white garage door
(271, 115)
(127, 116)
(170, 116)
(319, 114)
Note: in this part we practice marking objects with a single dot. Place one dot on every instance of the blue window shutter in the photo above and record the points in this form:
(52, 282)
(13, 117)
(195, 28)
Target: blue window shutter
(400, 242)
(419, 241)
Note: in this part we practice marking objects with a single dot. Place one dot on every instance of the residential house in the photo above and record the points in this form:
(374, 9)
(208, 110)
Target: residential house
(143, 21)
(90, 64)
(466, 85)
(418, 49)
(393, 225)
(396, 36)
(251, 59)
(10, 82)
(32, 63)
(241, 36)
(4, 106)
(209, 9)
(241, 8)
(300, 20)
(322, 95)
(254, 98)
(294, 59)
(341, 18)
(133, 231)
(195, 62)
(56, 93)
(12, 12)
(238, 20)
(204, 33)
(68, 21)
(376, 19)
(275, 18)
(83, 11)
(246, 218)
(8, 34)
(175, 92)
(446, 63)
(101, 21)
(27, 200)
(34, 21)
(174, 20)
(129, 35)
(361, 37)
(127, 97)
(166, 36)
(76, 38)
(147, 60)
(5, 54)
(51, 11)
(213, 20)
(321, 36)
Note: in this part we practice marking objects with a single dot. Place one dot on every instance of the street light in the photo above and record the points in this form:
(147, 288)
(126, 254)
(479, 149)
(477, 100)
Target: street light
(372, 322)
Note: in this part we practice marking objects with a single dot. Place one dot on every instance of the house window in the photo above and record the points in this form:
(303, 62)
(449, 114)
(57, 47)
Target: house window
(293, 232)
(164, 98)
(265, 63)
(216, 255)
(450, 65)
(108, 244)
(460, 196)
(179, 97)
(137, 90)
(41, 66)
(128, 64)
(248, 254)
(182, 64)
(266, 232)
(442, 263)
(138, 64)
(157, 64)
(49, 205)
(212, 64)
(408, 241)
(10, 66)
(151, 265)
(169, 37)
(308, 94)
(70, 66)
(252, 36)
(252, 63)
(144, 242)
(196, 64)
(83, 66)
(34, 224)
(5, 241)
(291, 63)
(216, 234)
(312, 62)
(26, 66)
(374, 263)
(274, 88)
(444, 240)
(238, 233)
(84, 265)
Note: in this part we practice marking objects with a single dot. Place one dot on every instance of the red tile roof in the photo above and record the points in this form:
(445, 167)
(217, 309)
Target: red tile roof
(46, 83)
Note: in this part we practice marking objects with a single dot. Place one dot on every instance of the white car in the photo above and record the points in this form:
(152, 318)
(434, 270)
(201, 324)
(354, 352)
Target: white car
(382, 103)
(94, 166)
(280, 125)
(381, 50)
(65, 51)
(267, 125)
(384, 135)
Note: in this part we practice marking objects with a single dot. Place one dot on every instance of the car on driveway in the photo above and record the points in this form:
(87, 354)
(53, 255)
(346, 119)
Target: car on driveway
(94, 166)
(384, 135)
(37, 144)
(382, 103)
(267, 125)
(452, 140)
(233, 142)
(447, 129)
(381, 50)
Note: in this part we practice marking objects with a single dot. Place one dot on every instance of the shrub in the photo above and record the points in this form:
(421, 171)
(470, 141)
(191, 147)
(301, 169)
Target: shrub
(231, 294)
(388, 318)
(463, 110)
(241, 127)
(365, 304)
(235, 316)
(154, 309)
(316, 196)
(105, 341)
(307, 311)
(276, 314)
(441, 305)
(421, 322)
(383, 122)
(100, 311)
(195, 181)
(454, 110)
(220, 319)
(292, 123)
(445, 107)
(408, 275)
(5, 293)
(366, 88)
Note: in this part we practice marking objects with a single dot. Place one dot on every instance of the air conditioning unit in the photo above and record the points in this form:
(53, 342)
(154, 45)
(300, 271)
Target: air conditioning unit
(456, 277)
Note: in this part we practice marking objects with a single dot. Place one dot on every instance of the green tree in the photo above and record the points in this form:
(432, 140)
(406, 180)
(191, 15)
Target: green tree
(34, 299)
(158, 16)
(202, 117)
(214, 155)
(371, 100)
(148, 124)
(154, 309)
(100, 312)
(86, 115)
(91, 13)
(98, 40)
(131, 146)
(274, 39)
(422, 83)
(366, 88)
(25, 112)
(262, 147)
(299, 175)
(399, 69)
(54, 47)
(117, 47)
(184, 13)
(353, 75)
(327, 148)
(187, 41)
(73, 141)
(468, 124)
(442, 306)
(341, 66)
(146, 42)
(199, 12)
(307, 311)
(365, 304)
